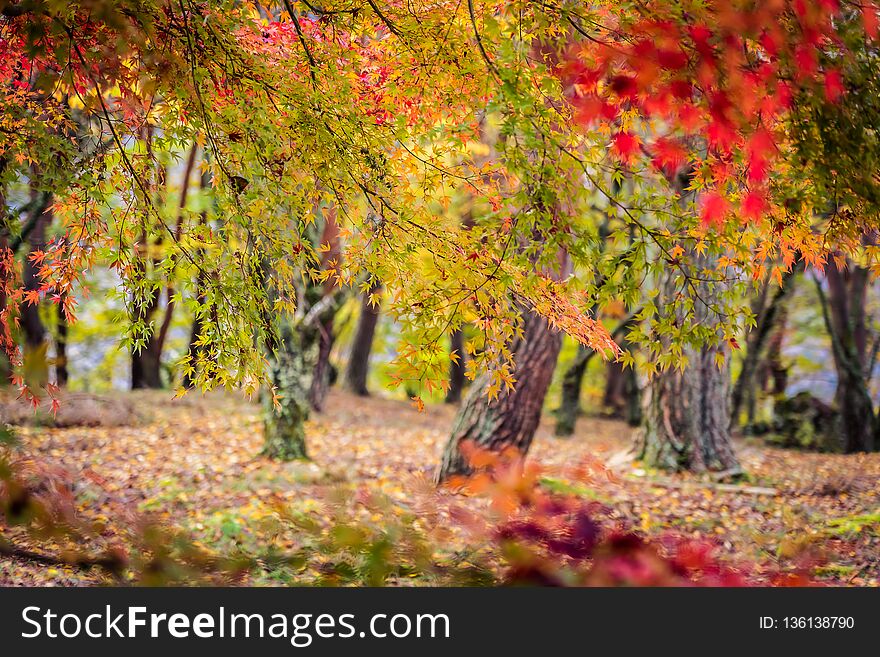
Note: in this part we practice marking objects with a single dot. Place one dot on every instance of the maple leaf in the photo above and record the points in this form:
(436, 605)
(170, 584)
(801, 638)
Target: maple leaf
(624, 86)
(32, 297)
(590, 108)
(806, 60)
(753, 206)
(669, 155)
(714, 209)
(871, 19)
(625, 145)
(833, 85)
(721, 135)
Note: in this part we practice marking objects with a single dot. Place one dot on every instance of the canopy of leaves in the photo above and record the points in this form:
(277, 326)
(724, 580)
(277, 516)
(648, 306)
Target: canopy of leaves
(465, 147)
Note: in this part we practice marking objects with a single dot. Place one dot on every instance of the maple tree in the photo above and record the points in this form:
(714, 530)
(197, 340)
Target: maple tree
(490, 185)
(679, 120)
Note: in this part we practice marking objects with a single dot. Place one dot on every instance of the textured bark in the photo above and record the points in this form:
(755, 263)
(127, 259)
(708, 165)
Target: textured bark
(511, 419)
(686, 423)
(323, 369)
(844, 313)
(291, 368)
(456, 368)
(686, 418)
(146, 363)
(570, 403)
(294, 359)
(359, 361)
(61, 373)
(36, 345)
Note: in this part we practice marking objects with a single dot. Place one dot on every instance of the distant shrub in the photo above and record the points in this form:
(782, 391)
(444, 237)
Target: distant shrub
(804, 422)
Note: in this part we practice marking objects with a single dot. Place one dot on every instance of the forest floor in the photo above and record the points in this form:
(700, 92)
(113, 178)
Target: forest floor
(193, 463)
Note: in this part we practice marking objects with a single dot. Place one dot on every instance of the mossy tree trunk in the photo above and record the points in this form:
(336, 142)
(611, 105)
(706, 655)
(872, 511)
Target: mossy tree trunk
(843, 310)
(291, 369)
(299, 361)
(686, 422)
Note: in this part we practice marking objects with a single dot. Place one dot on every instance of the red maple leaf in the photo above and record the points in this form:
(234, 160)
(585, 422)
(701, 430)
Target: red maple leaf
(669, 155)
(833, 85)
(624, 86)
(753, 206)
(871, 19)
(625, 145)
(715, 207)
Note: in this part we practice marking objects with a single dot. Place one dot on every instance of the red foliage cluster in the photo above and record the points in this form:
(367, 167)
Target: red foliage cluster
(375, 75)
(715, 81)
(553, 539)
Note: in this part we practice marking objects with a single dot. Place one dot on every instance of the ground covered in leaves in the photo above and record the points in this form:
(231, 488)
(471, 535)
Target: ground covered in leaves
(194, 463)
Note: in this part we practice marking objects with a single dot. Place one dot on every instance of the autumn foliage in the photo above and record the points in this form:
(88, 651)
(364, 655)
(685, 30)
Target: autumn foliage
(468, 166)
(714, 82)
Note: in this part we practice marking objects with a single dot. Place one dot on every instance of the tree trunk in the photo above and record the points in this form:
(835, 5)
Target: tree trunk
(359, 361)
(686, 418)
(61, 373)
(323, 324)
(614, 400)
(456, 367)
(511, 419)
(146, 361)
(844, 313)
(633, 394)
(570, 403)
(146, 364)
(858, 423)
(7, 345)
(294, 361)
(686, 423)
(291, 368)
(323, 374)
(6, 342)
(36, 363)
